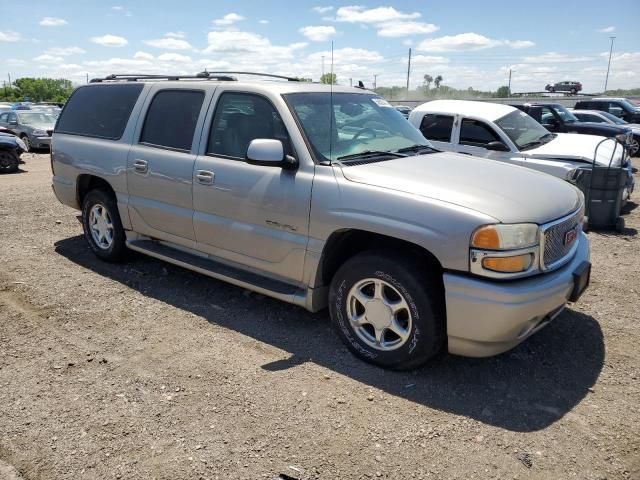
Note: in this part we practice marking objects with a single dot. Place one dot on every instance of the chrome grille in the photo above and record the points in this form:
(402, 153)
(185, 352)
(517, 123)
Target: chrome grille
(555, 250)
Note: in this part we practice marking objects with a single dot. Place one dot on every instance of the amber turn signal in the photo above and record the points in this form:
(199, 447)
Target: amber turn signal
(515, 264)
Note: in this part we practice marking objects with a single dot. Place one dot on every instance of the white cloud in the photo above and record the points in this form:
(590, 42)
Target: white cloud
(319, 33)
(169, 43)
(251, 47)
(9, 36)
(65, 51)
(554, 57)
(174, 57)
(519, 43)
(110, 41)
(52, 22)
(264, 22)
(48, 59)
(428, 60)
(175, 35)
(405, 29)
(228, 19)
(360, 14)
(16, 62)
(468, 42)
(322, 9)
(143, 56)
(121, 10)
(610, 29)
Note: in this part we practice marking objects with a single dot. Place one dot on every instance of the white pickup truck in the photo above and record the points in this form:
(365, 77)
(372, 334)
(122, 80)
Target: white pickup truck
(504, 133)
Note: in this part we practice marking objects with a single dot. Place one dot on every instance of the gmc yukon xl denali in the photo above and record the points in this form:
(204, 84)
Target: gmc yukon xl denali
(322, 196)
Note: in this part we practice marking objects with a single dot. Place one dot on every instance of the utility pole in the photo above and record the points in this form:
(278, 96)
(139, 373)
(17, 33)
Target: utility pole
(322, 67)
(375, 81)
(509, 82)
(606, 81)
(87, 77)
(350, 82)
(408, 71)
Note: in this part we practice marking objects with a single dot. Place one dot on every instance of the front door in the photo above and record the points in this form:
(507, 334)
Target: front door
(257, 216)
(160, 164)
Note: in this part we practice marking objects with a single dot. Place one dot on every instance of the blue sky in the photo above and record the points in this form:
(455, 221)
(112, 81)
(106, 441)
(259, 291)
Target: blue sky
(469, 43)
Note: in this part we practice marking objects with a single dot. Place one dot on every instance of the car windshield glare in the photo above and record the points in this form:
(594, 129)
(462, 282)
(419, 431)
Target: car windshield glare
(566, 115)
(523, 130)
(34, 118)
(348, 124)
(613, 118)
(630, 106)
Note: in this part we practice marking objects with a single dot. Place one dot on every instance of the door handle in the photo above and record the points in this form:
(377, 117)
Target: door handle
(140, 166)
(205, 177)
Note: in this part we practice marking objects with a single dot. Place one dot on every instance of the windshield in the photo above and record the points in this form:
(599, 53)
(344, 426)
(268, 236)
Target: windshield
(629, 105)
(36, 118)
(358, 123)
(566, 115)
(523, 130)
(613, 118)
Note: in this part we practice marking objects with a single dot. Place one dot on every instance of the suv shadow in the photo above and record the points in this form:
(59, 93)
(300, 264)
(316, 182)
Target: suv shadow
(526, 389)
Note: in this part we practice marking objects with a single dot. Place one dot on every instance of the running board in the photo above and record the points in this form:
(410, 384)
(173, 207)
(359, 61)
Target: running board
(241, 278)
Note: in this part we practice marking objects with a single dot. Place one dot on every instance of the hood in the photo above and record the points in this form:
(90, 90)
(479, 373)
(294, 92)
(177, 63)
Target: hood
(594, 128)
(576, 147)
(41, 126)
(505, 192)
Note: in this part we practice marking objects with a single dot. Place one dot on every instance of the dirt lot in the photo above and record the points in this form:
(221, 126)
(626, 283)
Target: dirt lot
(145, 370)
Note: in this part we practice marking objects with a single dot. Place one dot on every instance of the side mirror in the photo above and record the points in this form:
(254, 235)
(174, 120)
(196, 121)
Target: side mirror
(269, 153)
(497, 147)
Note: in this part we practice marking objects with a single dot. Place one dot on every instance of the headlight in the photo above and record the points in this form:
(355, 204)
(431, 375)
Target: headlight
(39, 133)
(505, 237)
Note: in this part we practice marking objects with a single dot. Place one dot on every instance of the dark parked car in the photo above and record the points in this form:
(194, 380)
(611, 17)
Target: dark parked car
(555, 118)
(597, 116)
(567, 86)
(620, 107)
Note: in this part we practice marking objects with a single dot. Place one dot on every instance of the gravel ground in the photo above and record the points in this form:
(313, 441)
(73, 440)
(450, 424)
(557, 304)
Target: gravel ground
(145, 370)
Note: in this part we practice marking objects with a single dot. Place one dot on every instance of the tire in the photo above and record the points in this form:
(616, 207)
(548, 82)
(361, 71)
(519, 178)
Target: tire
(420, 318)
(107, 238)
(634, 148)
(25, 139)
(9, 161)
(552, 90)
(620, 225)
(573, 91)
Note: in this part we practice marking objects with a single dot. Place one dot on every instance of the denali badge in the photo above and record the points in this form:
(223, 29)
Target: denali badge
(570, 236)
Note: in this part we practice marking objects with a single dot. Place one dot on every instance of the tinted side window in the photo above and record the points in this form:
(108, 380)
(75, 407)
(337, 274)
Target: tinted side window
(4, 117)
(241, 118)
(475, 133)
(437, 127)
(99, 111)
(171, 119)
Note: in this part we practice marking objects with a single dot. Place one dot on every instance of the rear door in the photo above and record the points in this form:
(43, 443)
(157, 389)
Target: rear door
(161, 160)
(438, 129)
(256, 216)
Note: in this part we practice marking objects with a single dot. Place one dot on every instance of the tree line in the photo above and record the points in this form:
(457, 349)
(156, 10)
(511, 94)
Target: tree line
(36, 90)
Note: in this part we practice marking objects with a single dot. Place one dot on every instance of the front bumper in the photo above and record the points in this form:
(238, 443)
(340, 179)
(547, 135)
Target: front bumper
(485, 318)
(41, 142)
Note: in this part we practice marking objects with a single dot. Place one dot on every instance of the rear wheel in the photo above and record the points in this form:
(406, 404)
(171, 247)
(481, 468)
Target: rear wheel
(573, 91)
(8, 161)
(102, 226)
(387, 310)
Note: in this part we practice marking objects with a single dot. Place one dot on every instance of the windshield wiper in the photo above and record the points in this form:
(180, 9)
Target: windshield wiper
(370, 153)
(416, 148)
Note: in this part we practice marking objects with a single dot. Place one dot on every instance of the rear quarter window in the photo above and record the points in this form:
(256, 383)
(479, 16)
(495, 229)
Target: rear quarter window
(100, 111)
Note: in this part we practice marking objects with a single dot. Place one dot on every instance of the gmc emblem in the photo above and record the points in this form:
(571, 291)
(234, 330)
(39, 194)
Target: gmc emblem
(570, 237)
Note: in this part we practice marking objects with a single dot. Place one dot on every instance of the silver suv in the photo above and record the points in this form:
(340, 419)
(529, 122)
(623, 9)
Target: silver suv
(323, 196)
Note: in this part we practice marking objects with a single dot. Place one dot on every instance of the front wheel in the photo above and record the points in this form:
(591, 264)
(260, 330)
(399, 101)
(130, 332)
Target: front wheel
(102, 226)
(27, 143)
(634, 147)
(388, 311)
(9, 161)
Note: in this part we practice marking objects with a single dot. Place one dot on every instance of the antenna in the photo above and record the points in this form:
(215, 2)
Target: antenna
(331, 109)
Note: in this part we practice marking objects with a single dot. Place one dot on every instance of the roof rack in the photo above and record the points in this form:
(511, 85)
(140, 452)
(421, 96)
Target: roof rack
(270, 75)
(132, 77)
(219, 76)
